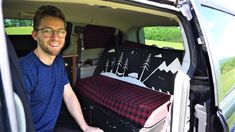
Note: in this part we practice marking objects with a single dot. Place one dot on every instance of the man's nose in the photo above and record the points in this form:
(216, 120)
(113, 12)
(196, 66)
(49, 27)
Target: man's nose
(54, 34)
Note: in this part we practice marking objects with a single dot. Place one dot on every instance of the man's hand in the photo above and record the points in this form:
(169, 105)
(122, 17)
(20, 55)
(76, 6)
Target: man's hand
(93, 129)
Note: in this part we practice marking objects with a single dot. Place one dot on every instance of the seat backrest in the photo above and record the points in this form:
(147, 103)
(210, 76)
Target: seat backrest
(148, 66)
(18, 84)
(22, 44)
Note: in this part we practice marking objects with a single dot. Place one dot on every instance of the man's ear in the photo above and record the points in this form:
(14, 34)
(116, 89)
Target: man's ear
(34, 35)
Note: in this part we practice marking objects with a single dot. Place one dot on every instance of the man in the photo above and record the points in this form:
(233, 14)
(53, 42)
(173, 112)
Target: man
(44, 74)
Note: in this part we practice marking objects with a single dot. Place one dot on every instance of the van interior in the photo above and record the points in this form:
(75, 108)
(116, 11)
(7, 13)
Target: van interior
(125, 80)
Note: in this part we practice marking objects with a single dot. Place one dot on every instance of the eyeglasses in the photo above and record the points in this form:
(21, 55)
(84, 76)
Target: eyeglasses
(48, 32)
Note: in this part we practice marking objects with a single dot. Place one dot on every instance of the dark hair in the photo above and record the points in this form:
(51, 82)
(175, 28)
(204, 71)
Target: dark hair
(44, 11)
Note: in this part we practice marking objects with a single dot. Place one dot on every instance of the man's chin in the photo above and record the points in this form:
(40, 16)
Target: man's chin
(54, 53)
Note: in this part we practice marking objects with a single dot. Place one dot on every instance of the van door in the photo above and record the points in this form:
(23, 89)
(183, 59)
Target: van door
(216, 22)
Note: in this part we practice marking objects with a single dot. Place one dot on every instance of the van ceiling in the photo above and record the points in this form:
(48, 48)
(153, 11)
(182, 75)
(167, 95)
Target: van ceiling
(103, 13)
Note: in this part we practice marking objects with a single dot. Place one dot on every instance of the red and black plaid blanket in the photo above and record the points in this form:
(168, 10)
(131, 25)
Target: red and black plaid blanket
(130, 101)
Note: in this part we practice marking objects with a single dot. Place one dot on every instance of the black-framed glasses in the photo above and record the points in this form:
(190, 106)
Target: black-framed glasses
(48, 32)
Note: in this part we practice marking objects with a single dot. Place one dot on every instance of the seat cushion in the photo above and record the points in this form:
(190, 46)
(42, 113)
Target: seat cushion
(128, 100)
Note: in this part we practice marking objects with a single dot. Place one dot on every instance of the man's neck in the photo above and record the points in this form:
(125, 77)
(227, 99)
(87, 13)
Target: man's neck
(44, 57)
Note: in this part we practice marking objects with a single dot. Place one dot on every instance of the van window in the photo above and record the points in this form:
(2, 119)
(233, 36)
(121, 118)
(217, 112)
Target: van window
(220, 34)
(164, 37)
(18, 26)
(19, 32)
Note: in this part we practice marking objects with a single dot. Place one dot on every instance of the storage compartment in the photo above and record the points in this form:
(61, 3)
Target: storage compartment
(110, 122)
(87, 108)
(85, 71)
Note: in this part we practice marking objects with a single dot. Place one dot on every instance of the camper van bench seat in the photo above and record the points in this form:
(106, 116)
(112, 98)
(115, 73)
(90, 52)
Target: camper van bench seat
(134, 82)
(141, 105)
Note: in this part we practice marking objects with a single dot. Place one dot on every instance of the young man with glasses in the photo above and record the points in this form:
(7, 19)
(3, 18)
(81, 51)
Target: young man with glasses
(44, 74)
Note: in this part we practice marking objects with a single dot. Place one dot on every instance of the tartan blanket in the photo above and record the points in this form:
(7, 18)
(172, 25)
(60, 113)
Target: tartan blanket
(128, 100)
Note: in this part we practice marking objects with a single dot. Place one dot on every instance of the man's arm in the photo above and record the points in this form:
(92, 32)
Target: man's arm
(75, 110)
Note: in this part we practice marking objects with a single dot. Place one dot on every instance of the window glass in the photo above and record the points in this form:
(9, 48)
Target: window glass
(220, 34)
(18, 26)
(164, 37)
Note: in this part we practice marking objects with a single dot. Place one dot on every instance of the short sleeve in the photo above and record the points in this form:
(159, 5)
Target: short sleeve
(28, 82)
(64, 72)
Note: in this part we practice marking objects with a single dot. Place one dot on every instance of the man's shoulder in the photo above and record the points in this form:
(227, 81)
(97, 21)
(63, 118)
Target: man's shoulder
(60, 59)
(26, 61)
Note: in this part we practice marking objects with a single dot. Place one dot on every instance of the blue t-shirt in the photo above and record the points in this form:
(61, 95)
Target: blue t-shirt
(44, 86)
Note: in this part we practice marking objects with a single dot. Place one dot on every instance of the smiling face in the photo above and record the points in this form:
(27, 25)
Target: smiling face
(53, 44)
